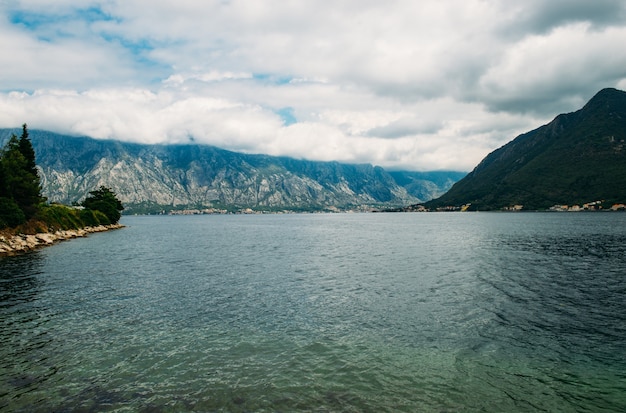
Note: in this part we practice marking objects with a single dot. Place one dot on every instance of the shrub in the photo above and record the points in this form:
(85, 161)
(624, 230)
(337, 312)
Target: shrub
(93, 218)
(61, 216)
(102, 219)
(10, 213)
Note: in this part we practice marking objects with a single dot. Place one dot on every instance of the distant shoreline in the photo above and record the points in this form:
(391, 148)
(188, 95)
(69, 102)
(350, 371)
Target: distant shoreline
(23, 243)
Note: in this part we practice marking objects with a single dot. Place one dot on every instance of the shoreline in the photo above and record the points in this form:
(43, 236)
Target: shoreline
(23, 243)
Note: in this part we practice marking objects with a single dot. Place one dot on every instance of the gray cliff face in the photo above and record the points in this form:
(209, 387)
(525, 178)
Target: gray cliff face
(200, 175)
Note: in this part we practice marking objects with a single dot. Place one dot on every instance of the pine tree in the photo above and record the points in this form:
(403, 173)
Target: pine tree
(4, 190)
(19, 178)
(11, 163)
(26, 148)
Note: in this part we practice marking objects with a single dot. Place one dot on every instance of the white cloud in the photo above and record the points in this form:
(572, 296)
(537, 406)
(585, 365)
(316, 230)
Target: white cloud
(211, 76)
(403, 84)
(542, 70)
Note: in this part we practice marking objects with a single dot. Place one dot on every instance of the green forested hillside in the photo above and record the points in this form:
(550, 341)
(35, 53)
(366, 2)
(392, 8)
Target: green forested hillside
(577, 158)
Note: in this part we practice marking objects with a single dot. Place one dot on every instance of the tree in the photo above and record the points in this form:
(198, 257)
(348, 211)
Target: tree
(10, 214)
(26, 149)
(11, 163)
(4, 190)
(19, 177)
(105, 201)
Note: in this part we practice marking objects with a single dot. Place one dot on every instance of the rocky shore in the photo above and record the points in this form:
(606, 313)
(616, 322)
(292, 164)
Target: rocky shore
(16, 244)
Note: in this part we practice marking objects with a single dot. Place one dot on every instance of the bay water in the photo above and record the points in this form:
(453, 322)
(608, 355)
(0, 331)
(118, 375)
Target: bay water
(409, 312)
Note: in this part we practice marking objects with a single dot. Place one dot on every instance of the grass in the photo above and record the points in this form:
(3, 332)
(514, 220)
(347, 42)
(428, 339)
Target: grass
(53, 217)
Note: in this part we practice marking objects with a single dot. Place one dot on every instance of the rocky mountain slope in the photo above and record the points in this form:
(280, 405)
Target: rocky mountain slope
(149, 178)
(577, 158)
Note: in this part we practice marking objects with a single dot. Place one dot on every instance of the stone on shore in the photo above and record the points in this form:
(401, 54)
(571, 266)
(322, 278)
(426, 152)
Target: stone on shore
(16, 244)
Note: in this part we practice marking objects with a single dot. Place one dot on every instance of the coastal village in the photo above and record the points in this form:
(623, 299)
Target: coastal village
(591, 206)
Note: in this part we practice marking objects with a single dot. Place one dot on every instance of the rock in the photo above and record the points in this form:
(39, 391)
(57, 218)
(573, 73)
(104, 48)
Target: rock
(24, 243)
(46, 238)
(31, 241)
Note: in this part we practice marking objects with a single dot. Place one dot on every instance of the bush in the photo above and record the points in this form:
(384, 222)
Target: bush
(10, 213)
(61, 217)
(93, 218)
(102, 219)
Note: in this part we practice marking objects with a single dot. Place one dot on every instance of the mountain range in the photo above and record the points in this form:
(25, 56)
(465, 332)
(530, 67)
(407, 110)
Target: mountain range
(578, 158)
(156, 178)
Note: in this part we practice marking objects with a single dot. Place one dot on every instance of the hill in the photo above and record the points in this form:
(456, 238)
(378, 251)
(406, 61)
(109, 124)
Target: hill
(577, 158)
(151, 178)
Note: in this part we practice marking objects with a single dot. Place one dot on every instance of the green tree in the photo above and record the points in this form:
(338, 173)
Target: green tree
(105, 201)
(4, 191)
(10, 214)
(26, 149)
(19, 178)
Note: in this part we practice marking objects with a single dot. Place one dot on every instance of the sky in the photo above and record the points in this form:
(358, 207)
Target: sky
(405, 84)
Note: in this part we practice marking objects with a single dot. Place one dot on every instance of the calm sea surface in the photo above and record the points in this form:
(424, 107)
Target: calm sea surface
(440, 312)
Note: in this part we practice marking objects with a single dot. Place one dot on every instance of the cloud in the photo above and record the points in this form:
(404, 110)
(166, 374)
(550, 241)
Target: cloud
(542, 73)
(404, 84)
(407, 126)
(541, 17)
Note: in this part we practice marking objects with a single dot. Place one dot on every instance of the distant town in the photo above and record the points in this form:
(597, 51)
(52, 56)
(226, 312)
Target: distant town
(590, 206)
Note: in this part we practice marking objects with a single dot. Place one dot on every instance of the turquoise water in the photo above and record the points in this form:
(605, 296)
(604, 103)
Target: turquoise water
(441, 312)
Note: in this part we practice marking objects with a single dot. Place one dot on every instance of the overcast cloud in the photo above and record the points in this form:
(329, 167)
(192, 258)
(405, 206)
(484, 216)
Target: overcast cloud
(405, 84)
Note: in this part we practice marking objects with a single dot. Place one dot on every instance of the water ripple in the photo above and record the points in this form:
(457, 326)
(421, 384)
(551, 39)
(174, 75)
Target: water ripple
(407, 312)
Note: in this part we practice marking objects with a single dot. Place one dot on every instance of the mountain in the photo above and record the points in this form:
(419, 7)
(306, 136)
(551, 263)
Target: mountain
(426, 185)
(150, 178)
(577, 158)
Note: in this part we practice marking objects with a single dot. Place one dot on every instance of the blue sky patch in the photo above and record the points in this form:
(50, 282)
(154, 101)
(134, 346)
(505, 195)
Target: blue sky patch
(36, 20)
(272, 79)
(48, 26)
(287, 114)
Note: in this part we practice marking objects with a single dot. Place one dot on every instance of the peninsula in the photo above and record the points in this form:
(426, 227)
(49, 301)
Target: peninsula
(28, 221)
